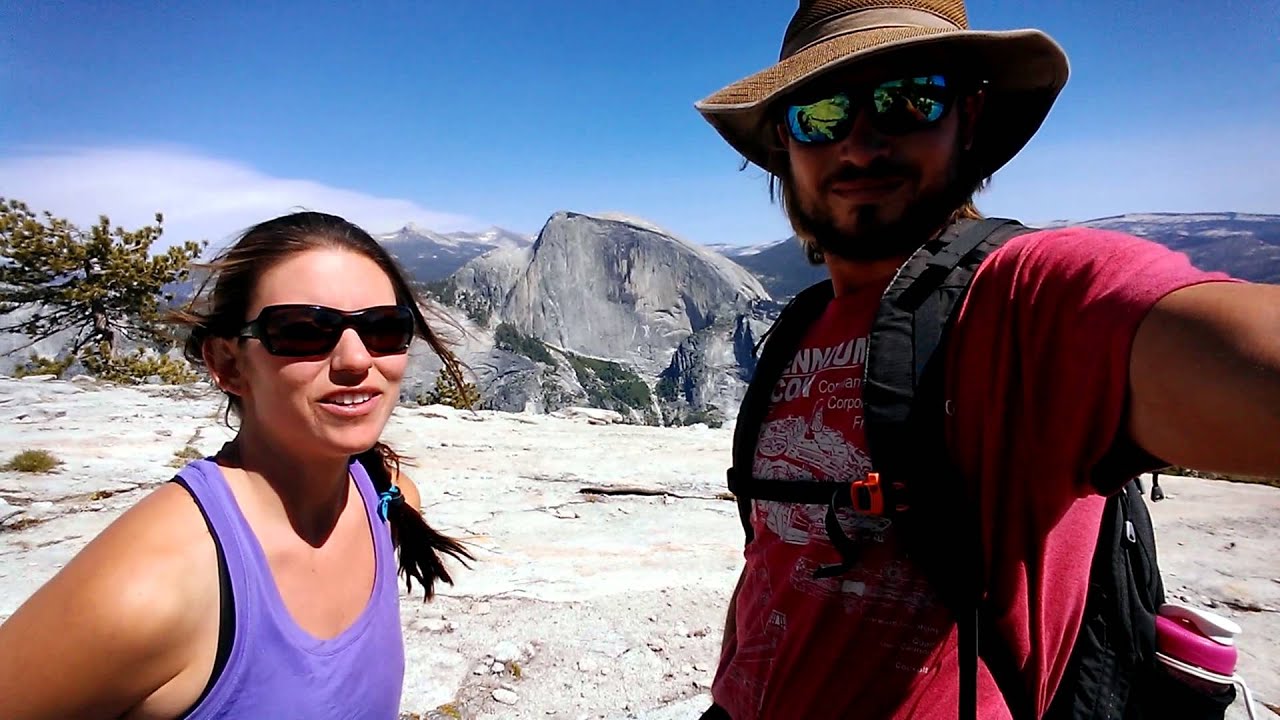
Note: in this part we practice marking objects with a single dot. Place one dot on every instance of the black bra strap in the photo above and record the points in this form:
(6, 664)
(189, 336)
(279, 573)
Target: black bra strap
(226, 608)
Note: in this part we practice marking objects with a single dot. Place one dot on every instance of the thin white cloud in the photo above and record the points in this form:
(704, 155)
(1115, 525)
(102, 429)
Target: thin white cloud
(201, 197)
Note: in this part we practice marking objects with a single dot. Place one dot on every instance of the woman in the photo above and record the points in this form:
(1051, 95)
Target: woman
(262, 582)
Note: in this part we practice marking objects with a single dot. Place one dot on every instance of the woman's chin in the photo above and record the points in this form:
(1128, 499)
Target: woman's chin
(345, 442)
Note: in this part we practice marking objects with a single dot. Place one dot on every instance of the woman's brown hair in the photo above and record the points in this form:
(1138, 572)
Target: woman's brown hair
(219, 309)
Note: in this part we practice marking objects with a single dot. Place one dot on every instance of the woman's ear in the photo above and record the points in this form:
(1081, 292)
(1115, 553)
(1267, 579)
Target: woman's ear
(222, 357)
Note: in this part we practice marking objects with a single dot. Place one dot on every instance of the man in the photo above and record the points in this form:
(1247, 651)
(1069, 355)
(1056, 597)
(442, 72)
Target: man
(1079, 359)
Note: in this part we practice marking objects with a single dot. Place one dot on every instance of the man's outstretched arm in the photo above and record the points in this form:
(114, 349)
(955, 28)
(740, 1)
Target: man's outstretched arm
(1205, 379)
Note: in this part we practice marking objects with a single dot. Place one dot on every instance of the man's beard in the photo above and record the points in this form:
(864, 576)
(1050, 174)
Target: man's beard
(875, 238)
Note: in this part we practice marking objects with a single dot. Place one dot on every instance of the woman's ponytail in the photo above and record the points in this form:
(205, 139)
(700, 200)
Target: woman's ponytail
(420, 547)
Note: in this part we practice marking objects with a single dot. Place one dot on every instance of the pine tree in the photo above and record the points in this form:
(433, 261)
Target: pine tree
(101, 283)
(447, 392)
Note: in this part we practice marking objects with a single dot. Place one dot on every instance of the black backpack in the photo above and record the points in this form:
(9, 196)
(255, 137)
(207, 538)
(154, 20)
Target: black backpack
(1112, 673)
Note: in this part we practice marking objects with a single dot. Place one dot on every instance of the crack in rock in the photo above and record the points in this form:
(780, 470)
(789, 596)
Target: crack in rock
(650, 492)
(1248, 607)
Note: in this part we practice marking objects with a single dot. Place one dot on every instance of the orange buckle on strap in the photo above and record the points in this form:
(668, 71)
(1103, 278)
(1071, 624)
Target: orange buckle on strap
(867, 495)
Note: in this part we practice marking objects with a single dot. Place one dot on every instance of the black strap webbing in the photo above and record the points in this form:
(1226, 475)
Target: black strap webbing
(950, 257)
(902, 377)
(226, 604)
(803, 492)
(779, 347)
(848, 549)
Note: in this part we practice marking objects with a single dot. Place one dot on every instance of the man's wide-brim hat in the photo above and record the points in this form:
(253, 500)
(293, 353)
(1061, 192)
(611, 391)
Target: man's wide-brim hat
(1023, 70)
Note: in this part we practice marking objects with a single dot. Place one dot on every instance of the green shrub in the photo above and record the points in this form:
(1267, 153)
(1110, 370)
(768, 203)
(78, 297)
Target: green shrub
(97, 360)
(185, 455)
(667, 388)
(711, 416)
(40, 365)
(446, 290)
(137, 368)
(447, 392)
(507, 337)
(610, 385)
(449, 710)
(33, 461)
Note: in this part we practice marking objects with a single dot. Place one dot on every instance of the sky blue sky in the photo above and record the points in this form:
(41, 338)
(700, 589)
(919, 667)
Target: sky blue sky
(479, 112)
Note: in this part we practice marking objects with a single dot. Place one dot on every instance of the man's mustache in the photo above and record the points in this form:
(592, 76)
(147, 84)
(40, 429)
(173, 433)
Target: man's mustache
(881, 169)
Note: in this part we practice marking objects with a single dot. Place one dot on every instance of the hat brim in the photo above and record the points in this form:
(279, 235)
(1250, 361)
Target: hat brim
(1025, 71)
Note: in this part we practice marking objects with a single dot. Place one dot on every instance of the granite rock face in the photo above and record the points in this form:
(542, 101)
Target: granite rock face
(614, 288)
(709, 372)
(610, 288)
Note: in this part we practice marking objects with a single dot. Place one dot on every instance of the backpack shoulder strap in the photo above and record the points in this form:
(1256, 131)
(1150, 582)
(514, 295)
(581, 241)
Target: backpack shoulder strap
(910, 325)
(779, 345)
(906, 407)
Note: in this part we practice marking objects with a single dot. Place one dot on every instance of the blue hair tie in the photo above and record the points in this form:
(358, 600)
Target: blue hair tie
(385, 498)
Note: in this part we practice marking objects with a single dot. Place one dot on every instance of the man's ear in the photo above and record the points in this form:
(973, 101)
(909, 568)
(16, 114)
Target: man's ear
(973, 106)
(781, 135)
(780, 148)
(222, 357)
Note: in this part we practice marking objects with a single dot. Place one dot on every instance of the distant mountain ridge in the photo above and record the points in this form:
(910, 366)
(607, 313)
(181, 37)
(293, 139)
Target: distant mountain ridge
(430, 256)
(609, 310)
(1243, 245)
(782, 267)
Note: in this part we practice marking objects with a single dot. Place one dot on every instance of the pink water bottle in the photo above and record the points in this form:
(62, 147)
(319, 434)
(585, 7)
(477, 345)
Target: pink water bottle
(1201, 646)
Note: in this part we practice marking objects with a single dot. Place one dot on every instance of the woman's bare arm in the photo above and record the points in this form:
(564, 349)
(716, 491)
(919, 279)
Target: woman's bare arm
(121, 621)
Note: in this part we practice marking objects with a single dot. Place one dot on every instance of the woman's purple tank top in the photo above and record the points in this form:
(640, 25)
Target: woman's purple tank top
(275, 668)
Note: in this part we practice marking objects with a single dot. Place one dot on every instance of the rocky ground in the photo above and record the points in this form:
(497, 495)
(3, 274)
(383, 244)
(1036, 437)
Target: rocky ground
(579, 605)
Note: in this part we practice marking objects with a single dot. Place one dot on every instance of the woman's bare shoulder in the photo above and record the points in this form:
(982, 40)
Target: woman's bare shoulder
(133, 597)
(410, 491)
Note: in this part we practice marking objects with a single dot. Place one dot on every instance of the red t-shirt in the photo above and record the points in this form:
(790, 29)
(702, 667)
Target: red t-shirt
(1037, 373)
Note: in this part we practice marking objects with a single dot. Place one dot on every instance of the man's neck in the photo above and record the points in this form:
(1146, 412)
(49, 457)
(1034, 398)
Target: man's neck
(850, 276)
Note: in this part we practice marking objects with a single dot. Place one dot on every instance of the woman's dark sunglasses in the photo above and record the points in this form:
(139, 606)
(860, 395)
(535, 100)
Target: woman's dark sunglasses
(309, 330)
(896, 107)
